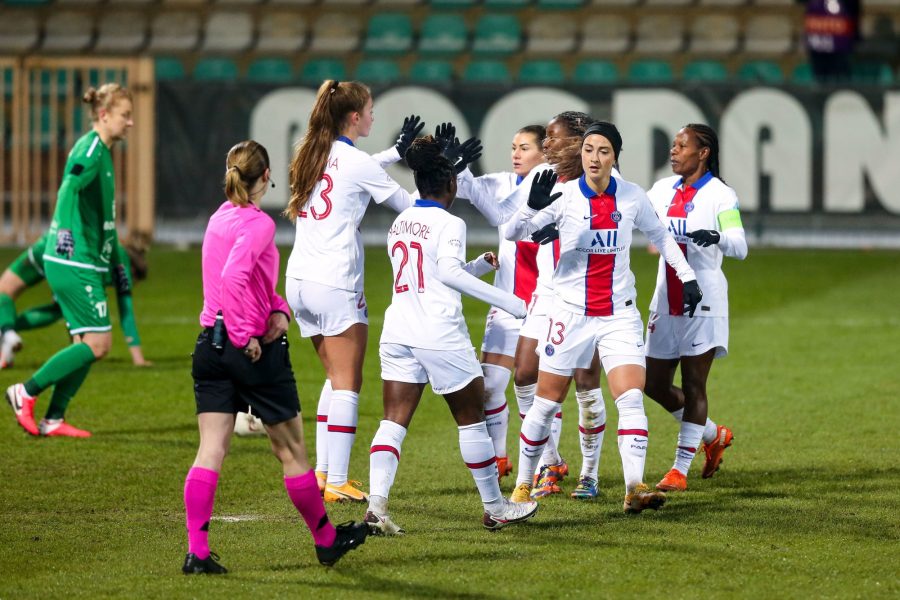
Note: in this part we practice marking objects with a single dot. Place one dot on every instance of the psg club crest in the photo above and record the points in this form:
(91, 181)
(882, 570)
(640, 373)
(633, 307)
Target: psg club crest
(616, 216)
(688, 207)
(549, 350)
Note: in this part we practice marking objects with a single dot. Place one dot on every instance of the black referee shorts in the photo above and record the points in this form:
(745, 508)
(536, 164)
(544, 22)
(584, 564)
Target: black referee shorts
(229, 382)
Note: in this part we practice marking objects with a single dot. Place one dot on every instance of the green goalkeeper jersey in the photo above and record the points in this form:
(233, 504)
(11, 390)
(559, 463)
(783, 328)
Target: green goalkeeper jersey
(83, 231)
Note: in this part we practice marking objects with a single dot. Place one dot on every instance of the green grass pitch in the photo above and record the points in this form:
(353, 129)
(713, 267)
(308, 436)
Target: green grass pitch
(805, 504)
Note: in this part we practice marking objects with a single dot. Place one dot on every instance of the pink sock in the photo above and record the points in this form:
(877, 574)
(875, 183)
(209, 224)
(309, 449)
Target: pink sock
(199, 495)
(303, 491)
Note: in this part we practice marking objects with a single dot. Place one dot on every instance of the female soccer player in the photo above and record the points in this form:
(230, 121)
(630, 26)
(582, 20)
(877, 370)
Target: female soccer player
(332, 183)
(82, 243)
(594, 302)
(702, 212)
(425, 339)
(241, 359)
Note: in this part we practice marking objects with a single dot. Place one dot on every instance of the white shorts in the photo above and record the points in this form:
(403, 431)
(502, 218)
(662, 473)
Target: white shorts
(447, 370)
(324, 310)
(670, 336)
(501, 332)
(573, 338)
(538, 318)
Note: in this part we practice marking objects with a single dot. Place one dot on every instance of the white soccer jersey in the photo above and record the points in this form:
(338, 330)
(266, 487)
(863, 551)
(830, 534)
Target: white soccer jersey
(707, 204)
(593, 276)
(328, 247)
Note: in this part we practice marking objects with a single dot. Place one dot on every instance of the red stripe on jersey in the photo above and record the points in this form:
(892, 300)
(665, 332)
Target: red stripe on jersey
(341, 429)
(495, 411)
(531, 443)
(674, 287)
(385, 448)
(322, 418)
(642, 432)
(592, 430)
(482, 464)
(598, 279)
(526, 270)
(555, 252)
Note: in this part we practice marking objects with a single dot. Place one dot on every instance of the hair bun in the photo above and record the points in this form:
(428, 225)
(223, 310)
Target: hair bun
(90, 96)
(422, 152)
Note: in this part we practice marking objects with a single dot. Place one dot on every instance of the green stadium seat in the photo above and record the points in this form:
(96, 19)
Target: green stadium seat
(443, 34)
(650, 72)
(497, 34)
(559, 4)
(761, 71)
(215, 69)
(705, 70)
(872, 72)
(318, 70)
(487, 71)
(389, 33)
(377, 71)
(168, 68)
(542, 72)
(506, 4)
(590, 72)
(433, 72)
(270, 70)
(803, 75)
(25, 2)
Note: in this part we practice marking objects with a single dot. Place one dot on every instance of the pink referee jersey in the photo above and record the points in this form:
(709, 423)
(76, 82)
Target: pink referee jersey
(240, 268)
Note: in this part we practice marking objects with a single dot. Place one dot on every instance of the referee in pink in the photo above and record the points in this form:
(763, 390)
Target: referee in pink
(241, 359)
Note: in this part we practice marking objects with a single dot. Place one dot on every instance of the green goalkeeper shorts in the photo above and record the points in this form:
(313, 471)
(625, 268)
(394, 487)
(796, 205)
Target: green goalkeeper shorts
(29, 265)
(81, 296)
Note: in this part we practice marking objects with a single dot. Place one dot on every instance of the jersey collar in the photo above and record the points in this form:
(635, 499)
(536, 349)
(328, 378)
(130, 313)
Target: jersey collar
(421, 203)
(519, 179)
(345, 139)
(587, 192)
(697, 184)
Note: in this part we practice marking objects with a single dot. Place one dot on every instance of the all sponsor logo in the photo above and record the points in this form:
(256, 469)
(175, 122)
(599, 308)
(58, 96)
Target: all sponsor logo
(607, 238)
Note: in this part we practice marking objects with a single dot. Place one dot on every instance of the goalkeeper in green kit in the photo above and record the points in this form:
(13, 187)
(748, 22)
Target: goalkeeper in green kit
(82, 247)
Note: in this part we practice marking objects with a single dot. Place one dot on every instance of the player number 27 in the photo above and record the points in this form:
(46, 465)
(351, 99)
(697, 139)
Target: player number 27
(398, 287)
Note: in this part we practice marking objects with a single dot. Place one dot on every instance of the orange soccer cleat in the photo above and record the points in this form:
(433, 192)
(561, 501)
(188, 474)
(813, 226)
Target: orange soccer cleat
(59, 428)
(674, 481)
(715, 449)
(504, 467)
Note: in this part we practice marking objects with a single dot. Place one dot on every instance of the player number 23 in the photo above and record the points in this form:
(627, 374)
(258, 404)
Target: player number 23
(398, 287)
(318, 216)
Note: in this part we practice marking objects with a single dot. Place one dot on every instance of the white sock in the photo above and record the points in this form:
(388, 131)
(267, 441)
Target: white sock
(591, 425)
(709, 430)
(689, 437)
(535, 433)
(496, 411)
(384, 457)
(632, 436)
(525, 398)
(322, 427)
(556, 430)
(478, 454)
(343, 415)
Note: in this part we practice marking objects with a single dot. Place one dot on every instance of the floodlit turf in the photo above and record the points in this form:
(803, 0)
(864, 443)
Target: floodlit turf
(805, 504)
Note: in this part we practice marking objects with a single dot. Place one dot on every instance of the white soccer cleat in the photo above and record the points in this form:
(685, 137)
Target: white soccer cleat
(9, 345)
(512, 512)
(247, 424)
(382, 525)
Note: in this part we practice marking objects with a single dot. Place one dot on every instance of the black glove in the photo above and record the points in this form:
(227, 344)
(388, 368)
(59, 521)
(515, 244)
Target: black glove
(445, 134)
(65, 243)
(539, 197)
(705, 237)
(462, 155)
(412, 126)
(546, 234)
(691, 296)
(123, 286)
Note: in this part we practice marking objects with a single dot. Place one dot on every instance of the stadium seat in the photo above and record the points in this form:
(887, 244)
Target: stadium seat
(174, 32)
(389, 33)
(168, 68)
(121, 31)
(487, 71)
(452, 3)
(377, 71)
(19, 31)
(761, 71)
(215, 69)
(650, 72)
(605, 34)
(548, 72)
(714, 34)
(68, 31)
(318, 70)
(769, 34)
(506, 4)
(497, 34)
(803, 75)
(872, 72)
(551, 34)
(705, 70)
(443, 34)
(559, 4)
(335, 33)
(615, 3)
(228, 32)
(270, 70)
(433, 72)
(659, 34)
(281, 32)
(589, 72)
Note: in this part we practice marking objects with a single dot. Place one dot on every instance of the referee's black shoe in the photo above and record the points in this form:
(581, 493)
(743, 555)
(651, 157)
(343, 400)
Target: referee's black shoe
(196, 566)
(349, 536)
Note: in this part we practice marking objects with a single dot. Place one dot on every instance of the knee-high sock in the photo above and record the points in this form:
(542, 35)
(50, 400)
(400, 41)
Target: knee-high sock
(478, 453)
(709, 429)
(59, 366)
(384, 458)
(343, 415)
(591, 425)
(322, 427)
(64, 391)
(689, 437)
(199, 496)
(551, 455)
(38, 316)
(534, 436)
(303, 490)
(7, 312)
(632, 436)
(496, 411)
(525, 398)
